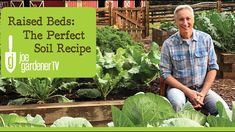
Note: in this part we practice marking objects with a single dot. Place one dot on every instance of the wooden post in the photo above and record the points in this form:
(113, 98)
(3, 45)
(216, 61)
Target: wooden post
(143, 11)
(110, 14)
(147, 18)
(218, 5)
(114, 16)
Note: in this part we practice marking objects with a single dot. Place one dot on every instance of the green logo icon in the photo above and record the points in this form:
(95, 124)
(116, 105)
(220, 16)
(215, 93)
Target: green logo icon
(10, 57)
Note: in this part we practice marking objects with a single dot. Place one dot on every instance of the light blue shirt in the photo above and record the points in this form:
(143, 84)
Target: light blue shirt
(188, 61)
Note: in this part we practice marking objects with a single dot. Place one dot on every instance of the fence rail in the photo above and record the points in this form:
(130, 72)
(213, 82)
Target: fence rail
(160, 13)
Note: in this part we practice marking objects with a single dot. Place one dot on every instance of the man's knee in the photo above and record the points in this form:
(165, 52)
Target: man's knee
(210, 102)
(177, 98)
(177, 104)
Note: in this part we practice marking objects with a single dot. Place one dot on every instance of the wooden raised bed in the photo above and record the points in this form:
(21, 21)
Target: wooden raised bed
(97, 112)
(227, 65)
(159, 36)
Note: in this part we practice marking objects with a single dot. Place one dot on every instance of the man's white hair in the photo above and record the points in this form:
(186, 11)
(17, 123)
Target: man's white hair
(181, 7)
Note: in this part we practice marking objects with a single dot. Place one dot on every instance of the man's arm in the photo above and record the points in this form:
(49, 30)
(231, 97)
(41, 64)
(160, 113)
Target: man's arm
(210, 77)
(212, 70)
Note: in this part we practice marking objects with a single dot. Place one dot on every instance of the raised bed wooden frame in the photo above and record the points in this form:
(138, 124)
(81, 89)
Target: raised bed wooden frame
(97, 112)
(227, 65)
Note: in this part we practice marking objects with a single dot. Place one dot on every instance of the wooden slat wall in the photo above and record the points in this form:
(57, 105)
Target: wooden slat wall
(97, 112)
(227, 65)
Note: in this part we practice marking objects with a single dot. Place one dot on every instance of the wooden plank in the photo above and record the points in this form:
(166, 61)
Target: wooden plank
(128, 19)
(128, 8)
(233, 68)
(228, 4)
(110, 14)
(94, 111)
(134, 28)
(159, 36)
(226, 67)
(102, 19)
(228, 58)
(146, 22)
(229, 75)
(101, 9)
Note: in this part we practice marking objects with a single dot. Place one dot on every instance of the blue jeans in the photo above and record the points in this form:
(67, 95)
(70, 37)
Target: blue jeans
(178, 99)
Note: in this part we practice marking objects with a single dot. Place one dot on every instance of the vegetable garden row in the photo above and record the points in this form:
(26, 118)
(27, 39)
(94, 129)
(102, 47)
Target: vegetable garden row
(157, 112)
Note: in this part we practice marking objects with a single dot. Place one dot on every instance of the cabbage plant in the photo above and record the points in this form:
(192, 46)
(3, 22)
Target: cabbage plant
(148, 109)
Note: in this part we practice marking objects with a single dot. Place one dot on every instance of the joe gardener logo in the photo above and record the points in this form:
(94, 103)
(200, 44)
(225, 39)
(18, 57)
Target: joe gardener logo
(10, 57)
(40, 42)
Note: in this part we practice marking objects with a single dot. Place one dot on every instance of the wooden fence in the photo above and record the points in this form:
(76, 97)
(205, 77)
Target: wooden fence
(136, 20)
(160, 13)
(132, 20)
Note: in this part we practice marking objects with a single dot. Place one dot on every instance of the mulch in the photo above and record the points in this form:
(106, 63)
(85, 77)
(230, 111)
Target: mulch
(226, 89)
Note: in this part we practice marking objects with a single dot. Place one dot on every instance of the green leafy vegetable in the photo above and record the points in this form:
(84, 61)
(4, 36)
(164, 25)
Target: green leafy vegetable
(71, 122)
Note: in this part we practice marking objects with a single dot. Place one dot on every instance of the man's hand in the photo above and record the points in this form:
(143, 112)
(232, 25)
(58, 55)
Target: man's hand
(195, 98)
(200, 99)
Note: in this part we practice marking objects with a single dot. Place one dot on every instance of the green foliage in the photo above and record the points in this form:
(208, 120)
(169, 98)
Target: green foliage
(180, 122)
(226, 117)
(168, 26)
(146, 65)
(88, 93)
(127, 68)
(110, 39)
(68, 86)
(71, 122)
(37, 120)
(38, 90)
(109, 71)
(13, 120)
(193, 115)
(221, 27)
(149, 109)
(7, 84)
(120, 119)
